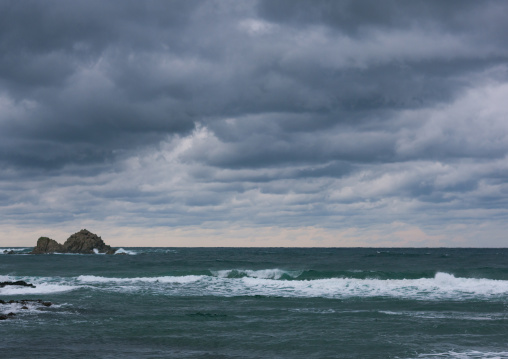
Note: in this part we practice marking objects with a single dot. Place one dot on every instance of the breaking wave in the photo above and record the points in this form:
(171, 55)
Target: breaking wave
(39, 289)
(137, 280)
(15, 250)
(272, 283)
(124, 251)
(263, 273)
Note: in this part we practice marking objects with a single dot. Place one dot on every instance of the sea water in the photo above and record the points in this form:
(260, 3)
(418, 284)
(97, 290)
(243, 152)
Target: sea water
(258, 303)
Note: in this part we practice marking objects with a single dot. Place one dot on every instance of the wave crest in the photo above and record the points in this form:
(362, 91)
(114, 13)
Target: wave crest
(164, 279)
(262, 273)
(275, 283)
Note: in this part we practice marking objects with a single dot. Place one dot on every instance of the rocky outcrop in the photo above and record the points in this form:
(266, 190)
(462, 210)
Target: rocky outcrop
(82, 242)
(47, 245)
(85, 242)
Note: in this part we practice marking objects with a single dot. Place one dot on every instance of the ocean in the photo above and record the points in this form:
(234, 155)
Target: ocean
(257, 303)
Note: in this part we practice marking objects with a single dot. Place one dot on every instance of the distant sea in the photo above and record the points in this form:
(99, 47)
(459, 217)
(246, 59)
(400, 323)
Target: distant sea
(258, 303)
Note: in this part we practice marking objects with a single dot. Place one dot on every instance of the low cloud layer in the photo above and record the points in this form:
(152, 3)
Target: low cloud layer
(256, 123)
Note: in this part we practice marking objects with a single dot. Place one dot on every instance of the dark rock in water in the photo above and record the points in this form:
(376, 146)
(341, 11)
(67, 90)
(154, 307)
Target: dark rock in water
(47, 245)
(9, 252)
(26, 303)
(85, 242)
(82, 242)
(19, 282)
(4, 317)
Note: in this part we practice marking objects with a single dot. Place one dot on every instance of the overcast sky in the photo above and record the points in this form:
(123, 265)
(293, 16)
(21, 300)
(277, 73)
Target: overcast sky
(255, 123)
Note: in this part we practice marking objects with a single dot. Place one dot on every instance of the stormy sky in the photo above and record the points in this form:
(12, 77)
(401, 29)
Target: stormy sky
(255, 123)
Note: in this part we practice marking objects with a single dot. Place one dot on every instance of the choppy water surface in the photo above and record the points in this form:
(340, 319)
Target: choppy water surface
(258, 303)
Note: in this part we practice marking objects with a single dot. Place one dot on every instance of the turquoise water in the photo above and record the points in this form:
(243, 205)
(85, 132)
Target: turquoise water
(258, 303)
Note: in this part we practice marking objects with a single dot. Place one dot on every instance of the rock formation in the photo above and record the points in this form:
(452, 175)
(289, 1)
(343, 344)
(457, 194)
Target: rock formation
(48, 245)
(83, 242)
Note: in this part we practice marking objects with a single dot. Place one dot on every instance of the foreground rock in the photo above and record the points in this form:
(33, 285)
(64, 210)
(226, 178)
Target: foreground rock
(82, 242)
(21, 283)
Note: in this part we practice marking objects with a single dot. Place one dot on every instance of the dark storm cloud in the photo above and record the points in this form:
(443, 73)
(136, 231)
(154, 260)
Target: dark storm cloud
(356, 16)
(280, 112)
(103, 77)
(69, 107)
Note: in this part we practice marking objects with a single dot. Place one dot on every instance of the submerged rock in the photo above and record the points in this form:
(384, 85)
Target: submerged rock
(4, 317)
(82, 242)
(26, 304)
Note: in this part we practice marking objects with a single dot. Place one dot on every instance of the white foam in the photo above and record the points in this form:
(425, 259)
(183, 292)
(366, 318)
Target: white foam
(7, 250)
(265, 282)
(442, 286)
(163, 250)
(473, 354)
(263, 273)
(165, 279)
(6, 278)
(40, 288)
(447, 315)
(43, 285)
(30, 307)
(16, 308)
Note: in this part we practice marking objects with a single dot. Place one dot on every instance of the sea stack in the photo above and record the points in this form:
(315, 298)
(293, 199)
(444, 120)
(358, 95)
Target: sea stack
(82, 242)
(47, 245)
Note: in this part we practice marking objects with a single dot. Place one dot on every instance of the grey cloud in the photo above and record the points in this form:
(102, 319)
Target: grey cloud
(353, 16)
(267, 112)
(98, 78)
(52, 55)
